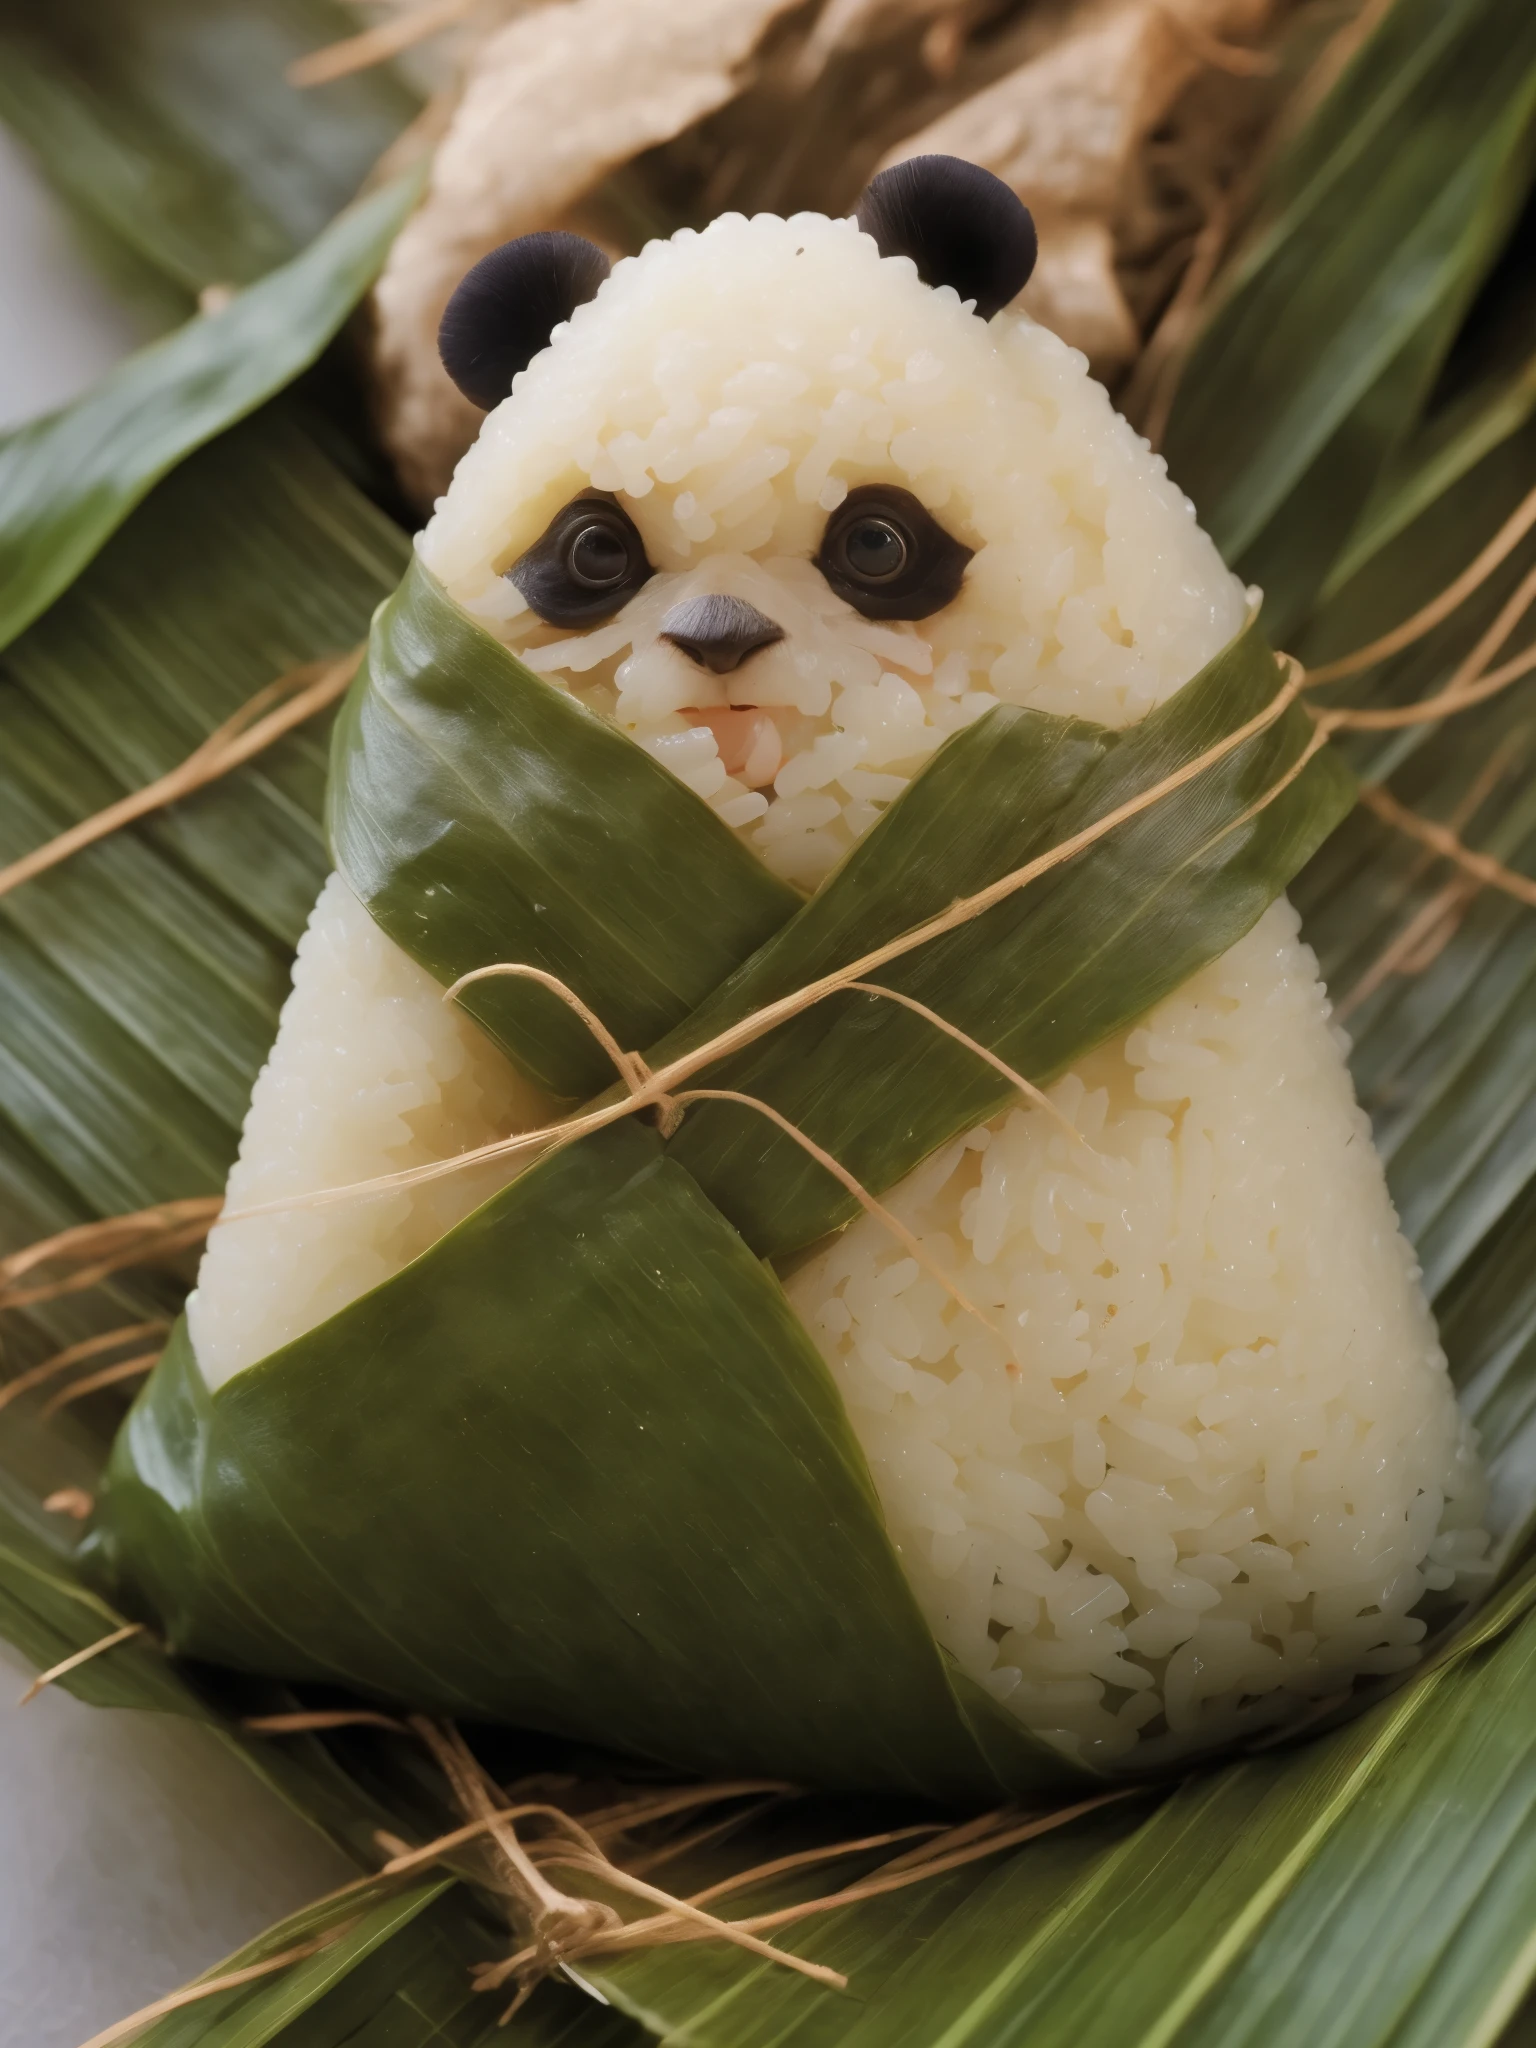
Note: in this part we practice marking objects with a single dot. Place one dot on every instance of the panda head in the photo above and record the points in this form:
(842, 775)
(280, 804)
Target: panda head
(792, 500)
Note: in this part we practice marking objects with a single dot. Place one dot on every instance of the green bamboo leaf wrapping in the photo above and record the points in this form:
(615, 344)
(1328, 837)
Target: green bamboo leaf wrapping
(67, 481)
(1040, 978)
(484, 815)
(663, 1534)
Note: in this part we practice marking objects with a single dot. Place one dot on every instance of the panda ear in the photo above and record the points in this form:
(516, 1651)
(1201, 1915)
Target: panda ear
(503, 312)
(959, 224)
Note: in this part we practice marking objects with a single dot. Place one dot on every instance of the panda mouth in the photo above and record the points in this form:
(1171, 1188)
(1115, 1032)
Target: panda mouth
(747, 738)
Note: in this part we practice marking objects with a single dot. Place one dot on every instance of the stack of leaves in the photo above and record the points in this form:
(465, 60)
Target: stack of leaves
(1356, 422)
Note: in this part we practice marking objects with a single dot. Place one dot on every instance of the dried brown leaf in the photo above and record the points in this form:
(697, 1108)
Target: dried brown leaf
(1066, 130)
(551, 104)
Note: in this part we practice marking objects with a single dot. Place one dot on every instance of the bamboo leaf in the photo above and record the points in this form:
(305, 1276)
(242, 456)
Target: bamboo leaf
(484, 815)
(254, 557)
(1039, 979)
(1322, 349)
(665, 1539)
(68, 481)
(139, 1001)
(169, 127)
(1376, 1879)
(414, 1992)
(715, 1994)
(251, 2014)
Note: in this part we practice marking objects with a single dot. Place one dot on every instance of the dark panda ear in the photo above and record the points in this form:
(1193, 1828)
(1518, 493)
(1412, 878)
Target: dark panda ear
(959, 224)
(505, 309)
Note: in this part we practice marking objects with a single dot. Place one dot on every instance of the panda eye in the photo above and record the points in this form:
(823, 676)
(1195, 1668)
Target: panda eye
(586, 565)
(889, 557)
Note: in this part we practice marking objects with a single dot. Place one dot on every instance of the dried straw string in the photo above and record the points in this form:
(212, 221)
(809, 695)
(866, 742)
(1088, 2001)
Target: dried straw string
(68, 1664)
(634, 1073)
(326, 1718)
(557, 1919)
(106, 1247)
(76, 1354)
(830, 1852)
(912, 1243)
(1442, 840)
(124, 1240)
(646, 1808)
(1036, 1096)
(109, 1376)
(567, 1927)
(632, 1070)
(1476, 573)
(679, 1922)
(1464, 690)
(663, 1083)
(644, 1862)
(562, 1934)
(1430, 930)
(909, 1870)
(563, 1924)
(274, 710)
(1432, 926)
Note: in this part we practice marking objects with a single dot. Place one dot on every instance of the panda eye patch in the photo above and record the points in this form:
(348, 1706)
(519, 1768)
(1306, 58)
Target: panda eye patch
(889, 557)
(586, 564)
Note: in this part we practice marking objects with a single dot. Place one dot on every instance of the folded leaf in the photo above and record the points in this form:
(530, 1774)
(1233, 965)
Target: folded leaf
(606, 1487)
(1042, 977)
(68, 481)
(484, 815)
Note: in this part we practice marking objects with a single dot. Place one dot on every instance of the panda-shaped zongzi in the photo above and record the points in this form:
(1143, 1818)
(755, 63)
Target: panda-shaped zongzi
(790, 502)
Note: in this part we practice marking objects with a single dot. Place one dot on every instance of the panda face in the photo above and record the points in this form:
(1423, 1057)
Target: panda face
(790, 516)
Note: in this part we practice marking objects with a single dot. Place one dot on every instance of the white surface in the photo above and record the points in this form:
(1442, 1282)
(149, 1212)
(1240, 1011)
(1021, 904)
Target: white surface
(137, 1851)
(134, 1850)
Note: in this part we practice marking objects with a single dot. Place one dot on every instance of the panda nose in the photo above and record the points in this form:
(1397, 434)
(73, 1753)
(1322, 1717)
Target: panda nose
(719, 632)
